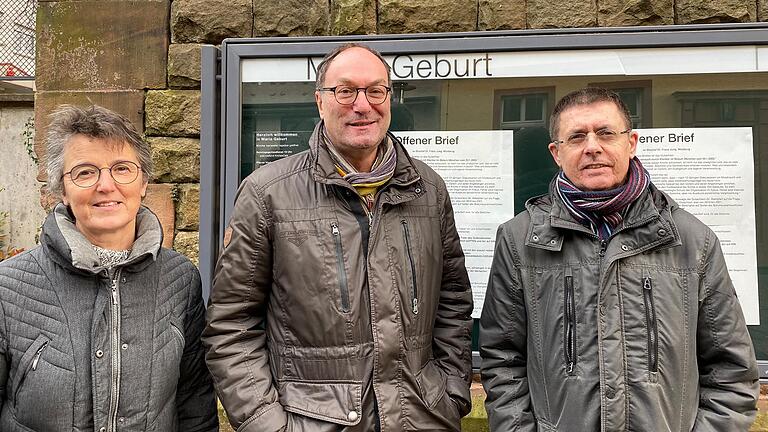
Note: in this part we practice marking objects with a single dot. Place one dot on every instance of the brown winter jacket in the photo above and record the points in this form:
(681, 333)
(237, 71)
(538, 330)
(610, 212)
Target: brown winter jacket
(313, 304)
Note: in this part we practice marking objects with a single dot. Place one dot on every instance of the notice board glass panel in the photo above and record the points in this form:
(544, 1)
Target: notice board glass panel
(684, 91)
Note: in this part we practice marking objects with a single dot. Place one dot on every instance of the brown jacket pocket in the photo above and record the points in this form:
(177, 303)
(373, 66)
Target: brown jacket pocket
(337, 402)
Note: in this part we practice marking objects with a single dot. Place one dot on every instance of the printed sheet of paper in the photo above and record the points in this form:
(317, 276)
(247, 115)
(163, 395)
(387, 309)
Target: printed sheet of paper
(710, 173)
(477, 168)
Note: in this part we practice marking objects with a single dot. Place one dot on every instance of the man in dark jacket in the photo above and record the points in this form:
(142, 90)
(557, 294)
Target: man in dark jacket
(609, 307)
(341, 300)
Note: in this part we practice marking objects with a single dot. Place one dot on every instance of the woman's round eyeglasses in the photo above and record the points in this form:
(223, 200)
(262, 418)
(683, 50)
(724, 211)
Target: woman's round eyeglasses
(87, 175)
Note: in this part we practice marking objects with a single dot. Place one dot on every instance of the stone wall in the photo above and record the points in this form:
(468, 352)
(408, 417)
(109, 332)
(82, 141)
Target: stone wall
(19, 190)
(144, 61)
(142, 58)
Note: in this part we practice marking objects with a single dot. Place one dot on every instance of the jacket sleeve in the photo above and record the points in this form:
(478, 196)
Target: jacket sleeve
(453, 324)
(195, 398)
(503, 335)
(236, 333)
(728, 374)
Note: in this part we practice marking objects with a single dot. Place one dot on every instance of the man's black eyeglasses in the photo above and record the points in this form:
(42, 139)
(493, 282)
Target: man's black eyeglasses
(347, 95)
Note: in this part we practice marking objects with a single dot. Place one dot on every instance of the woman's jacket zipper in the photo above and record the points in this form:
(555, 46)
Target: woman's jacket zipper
(414, 286)
(116, 355)
(343, 285)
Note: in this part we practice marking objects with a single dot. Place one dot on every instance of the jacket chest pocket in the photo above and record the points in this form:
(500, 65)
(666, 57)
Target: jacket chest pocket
(416, 248)
(410, 268)
(559, 308)
(315, 275)
(42, 391)
(569, 322)
(658, 317)
(303, 249)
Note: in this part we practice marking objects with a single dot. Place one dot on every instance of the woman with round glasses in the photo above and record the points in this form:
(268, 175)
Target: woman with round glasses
(100, 325)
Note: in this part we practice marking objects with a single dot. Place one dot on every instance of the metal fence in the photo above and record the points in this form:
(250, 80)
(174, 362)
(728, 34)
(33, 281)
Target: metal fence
(17, 38)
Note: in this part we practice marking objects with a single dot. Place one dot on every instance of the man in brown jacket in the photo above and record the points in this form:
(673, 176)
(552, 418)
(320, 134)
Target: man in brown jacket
(341, 300)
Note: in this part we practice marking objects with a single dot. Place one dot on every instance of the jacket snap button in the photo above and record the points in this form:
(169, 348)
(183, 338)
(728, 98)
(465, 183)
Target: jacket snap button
(417, 190)
(352, 416)
(121, 420)
(102, 429)
(553, 242)
(535, 238)
(662, 232)
(125, 346)
(99, 354)
(625, 247)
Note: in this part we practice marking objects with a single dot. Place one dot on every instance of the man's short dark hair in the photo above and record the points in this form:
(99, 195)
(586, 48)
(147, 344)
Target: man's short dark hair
(586, 96)
(326, 62)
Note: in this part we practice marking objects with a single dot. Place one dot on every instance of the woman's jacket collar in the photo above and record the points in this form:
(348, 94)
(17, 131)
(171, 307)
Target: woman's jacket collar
(69, 247)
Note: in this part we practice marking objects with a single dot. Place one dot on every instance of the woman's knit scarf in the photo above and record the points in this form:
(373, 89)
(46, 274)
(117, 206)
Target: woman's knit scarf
(603, 210)
(366, 183)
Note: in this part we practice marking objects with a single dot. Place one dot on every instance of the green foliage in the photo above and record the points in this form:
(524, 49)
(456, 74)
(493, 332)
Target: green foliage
(28, 135)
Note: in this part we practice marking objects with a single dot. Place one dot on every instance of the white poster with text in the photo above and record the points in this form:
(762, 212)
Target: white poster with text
(477, 168)
(710, 173)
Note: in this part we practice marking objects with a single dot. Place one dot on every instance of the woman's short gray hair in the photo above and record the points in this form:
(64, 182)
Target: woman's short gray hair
(94, 122)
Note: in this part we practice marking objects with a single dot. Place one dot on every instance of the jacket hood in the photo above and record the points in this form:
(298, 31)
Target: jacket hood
(550, 219)
(69, 247)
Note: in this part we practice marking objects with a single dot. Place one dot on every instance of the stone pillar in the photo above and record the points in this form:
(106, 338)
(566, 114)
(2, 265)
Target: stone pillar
(94, 52)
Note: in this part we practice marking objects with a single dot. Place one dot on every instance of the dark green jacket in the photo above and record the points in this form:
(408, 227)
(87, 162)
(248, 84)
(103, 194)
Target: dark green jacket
(642, 332)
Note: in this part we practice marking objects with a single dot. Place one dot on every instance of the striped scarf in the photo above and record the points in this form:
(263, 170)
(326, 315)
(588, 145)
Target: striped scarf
(366, 183)
(602, 210)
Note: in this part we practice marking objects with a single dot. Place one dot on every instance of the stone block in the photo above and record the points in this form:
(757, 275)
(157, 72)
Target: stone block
(561, 13)
(210, 21)
(184, 66)
(177, 160)
(188, 207)
(129, 103)
(159, 200)
(721, 11)
(618, 13)
(188, 244)
(763, 15)
(353, 17)
(500, 15)
(290, 17)
(427, 16)
(87, 45)
(173, 113)
(477, 419)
